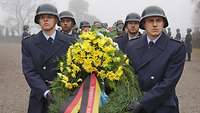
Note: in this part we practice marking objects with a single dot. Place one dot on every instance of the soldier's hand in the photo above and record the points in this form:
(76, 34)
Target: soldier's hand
(49, 98)
(134, 107)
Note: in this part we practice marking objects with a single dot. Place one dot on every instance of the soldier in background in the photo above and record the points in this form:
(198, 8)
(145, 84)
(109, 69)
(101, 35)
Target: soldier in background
(132, 30)
(105, 25)
(84, 26)
(75, 30)
(67, 22)
(188, 44)
(1, 31)
(97, 25)
(25, 33)
(169, 33)
(119, 27)
(178, 35)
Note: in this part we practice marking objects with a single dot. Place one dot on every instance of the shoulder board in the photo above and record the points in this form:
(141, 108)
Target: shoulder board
(27, 37)
(176, 40)
(138, 37)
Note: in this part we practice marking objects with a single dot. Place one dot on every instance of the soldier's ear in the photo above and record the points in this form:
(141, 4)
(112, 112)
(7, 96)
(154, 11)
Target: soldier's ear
(57, 21)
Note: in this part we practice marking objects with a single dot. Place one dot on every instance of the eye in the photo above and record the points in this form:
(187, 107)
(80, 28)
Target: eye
(50, 17)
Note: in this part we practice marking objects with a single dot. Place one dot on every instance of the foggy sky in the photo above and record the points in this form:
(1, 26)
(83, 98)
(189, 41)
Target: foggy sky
(178, 12)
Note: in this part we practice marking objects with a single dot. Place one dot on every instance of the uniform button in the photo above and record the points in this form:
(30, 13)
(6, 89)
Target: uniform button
(44, 67)
(152, 77)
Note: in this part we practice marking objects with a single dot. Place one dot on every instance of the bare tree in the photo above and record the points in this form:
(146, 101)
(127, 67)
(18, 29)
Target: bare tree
(20, 13)
(196, 17)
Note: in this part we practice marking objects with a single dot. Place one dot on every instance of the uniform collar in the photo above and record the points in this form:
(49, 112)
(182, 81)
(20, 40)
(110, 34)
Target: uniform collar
(161, 41)
(47, 37)
(130, 38)
(70, 33)
(155, 40)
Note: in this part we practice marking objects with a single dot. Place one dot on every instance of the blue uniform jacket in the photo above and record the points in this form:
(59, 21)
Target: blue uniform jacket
(158, 69)
(39, 64)
(123, 40)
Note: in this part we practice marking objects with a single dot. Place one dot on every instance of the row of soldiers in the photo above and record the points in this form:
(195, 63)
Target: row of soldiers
(123, 32)
(187, 40)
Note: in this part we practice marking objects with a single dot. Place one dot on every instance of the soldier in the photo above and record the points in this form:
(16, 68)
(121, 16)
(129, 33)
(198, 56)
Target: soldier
(178, 35)
(105, 25)
(25, 33)
(67, 22)
(132, 26)
(169, 33)
(158, 61)
(40, 54)
(188, 44)
(1, 31)
(75, 30)
(119, 28)
(84, 26)
(97, 25)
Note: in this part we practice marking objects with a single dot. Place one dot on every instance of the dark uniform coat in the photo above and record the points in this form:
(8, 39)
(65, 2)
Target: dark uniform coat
(159, 68)
(39, 64)
(188, 43)
(73, 35)
(123, 40)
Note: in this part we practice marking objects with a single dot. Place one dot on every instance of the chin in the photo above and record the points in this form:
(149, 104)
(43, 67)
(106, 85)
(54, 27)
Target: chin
(46, 29)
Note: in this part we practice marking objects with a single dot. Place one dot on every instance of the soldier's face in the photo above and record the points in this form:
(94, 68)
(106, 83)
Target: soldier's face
(85, 29)
(66, 24)
(132, 27)
(47, 22)
(153, 26)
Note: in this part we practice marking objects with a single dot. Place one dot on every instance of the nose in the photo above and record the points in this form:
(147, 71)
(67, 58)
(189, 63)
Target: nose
(65, 22)
(154, 23)
(45, 19)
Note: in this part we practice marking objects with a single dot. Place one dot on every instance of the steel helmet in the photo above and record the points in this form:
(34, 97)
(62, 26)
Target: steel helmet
(45, 9)
(67, 14)
(153, 11)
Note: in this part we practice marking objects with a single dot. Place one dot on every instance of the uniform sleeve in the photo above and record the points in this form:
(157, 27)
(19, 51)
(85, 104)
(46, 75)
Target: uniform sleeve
(33, 78)
(162, 90)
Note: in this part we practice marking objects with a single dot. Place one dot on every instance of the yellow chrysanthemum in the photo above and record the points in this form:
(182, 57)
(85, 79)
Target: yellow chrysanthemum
(127, 61)
(86, 46)
(97, 62)
(102, 74)
(63, 77)
(119, 72)
(68, 86)
(97, 53)
(111, 76)
(101, 43)
(75, 84)
(69, 58)
(61, 66)
(69, 69)
(75, 68)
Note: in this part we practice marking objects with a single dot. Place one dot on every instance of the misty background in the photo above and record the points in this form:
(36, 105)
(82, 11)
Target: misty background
(181, 14)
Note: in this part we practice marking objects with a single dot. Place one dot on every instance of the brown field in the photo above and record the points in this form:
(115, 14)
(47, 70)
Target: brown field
(14, 90)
